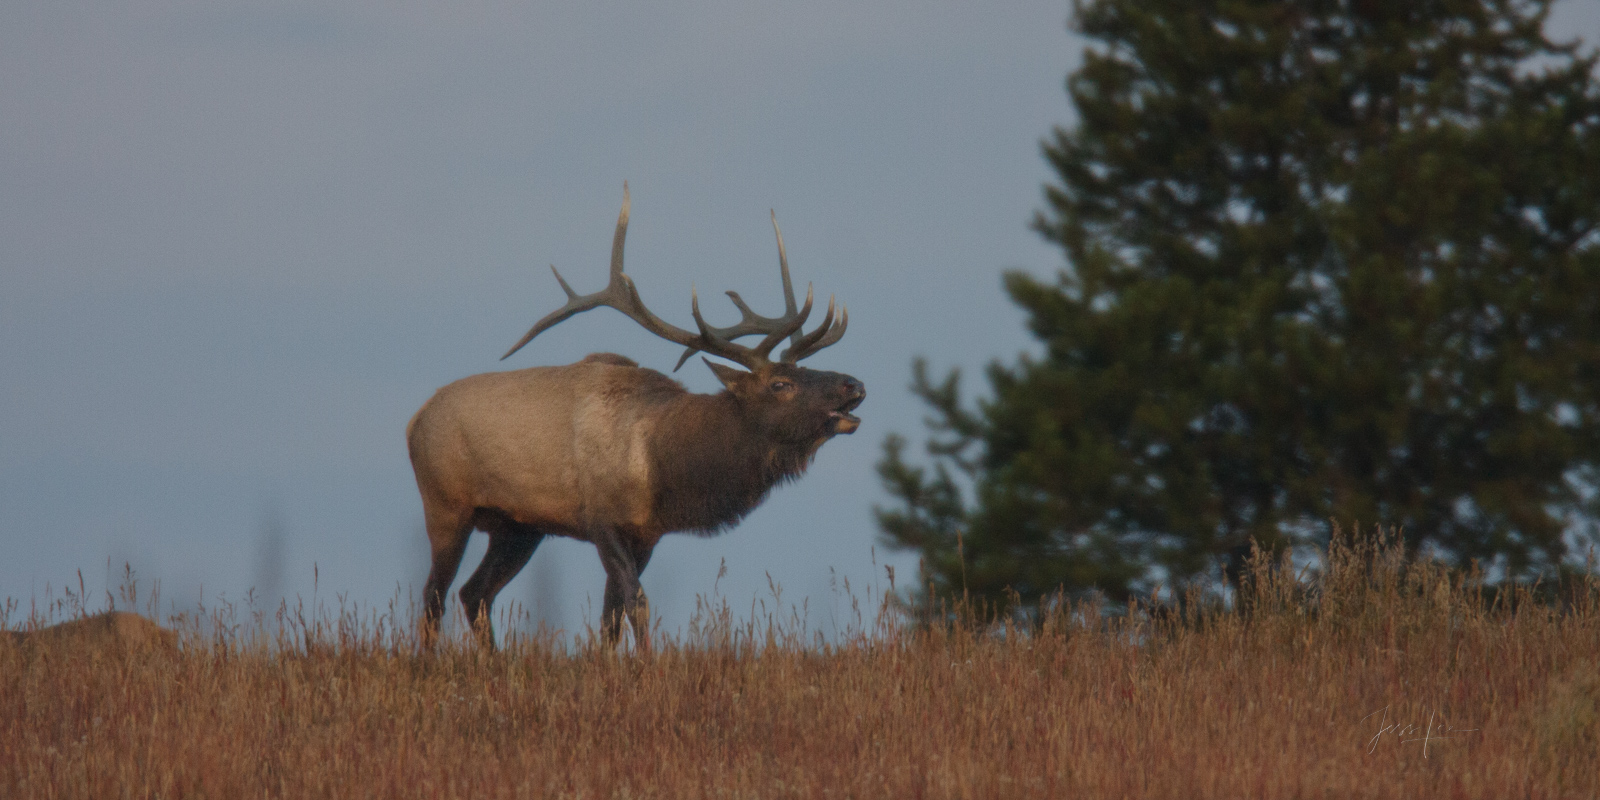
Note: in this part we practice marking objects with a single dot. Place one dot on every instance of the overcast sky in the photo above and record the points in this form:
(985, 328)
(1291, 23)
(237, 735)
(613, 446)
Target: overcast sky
(240, 244)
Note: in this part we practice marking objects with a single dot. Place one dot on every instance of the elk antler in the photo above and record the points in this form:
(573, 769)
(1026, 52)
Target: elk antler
(621, 294)
(800, 346)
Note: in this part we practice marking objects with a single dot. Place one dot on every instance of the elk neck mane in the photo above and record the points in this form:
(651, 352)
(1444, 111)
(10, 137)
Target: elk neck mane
(712, 463)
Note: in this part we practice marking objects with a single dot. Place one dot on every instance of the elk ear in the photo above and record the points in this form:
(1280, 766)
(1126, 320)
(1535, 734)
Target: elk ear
(728, 375)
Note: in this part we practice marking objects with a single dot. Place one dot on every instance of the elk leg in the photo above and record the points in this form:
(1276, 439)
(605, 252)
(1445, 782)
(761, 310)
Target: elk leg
(639, 613)
(447, 535)
(624, 595)
(510, 547)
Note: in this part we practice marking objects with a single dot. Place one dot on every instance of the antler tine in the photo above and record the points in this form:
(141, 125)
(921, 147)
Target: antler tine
(836, 333)
(789, 328)
(825, 335)
(783, 266)
(751, 323)
(707, 332)
(621, 236)
(620, 294)
(803, 343)
(575, 303)
(716, 344)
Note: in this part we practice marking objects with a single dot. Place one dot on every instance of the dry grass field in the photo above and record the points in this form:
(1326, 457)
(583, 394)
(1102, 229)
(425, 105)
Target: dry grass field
(1373, 678)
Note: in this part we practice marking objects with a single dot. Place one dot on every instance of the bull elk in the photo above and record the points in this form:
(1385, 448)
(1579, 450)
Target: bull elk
(618, 455)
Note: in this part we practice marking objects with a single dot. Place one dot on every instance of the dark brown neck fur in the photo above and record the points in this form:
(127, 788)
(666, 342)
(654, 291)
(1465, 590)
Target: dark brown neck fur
(712, 464)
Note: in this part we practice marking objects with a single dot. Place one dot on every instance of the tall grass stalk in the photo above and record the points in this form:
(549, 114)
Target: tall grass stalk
(1371, 676)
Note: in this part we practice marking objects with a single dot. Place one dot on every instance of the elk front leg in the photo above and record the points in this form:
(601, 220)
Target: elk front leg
(624, 561)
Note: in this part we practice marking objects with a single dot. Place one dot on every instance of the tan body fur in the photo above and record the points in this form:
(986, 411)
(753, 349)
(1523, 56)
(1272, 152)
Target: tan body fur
(556, 469)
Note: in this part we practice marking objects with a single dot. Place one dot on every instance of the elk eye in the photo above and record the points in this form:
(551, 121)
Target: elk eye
(781, 386)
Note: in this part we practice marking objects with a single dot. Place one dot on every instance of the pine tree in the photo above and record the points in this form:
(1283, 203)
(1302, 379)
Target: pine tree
(1325, 259)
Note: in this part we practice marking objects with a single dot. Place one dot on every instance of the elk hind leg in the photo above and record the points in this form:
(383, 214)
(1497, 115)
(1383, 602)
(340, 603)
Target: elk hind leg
(511, 544)
(448, 530)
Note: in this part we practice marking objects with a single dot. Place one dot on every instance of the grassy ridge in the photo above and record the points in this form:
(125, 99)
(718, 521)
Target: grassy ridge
(1375, 679)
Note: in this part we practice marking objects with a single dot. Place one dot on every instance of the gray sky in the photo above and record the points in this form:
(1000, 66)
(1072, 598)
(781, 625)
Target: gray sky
(241, 243)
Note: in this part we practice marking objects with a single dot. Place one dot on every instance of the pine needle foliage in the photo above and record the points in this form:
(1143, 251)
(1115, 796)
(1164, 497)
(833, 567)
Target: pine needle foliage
(1325, 259)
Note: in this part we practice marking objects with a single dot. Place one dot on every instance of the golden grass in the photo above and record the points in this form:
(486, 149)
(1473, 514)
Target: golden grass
(1374, 679)
(111, 630)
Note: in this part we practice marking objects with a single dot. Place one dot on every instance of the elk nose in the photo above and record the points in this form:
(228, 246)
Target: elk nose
(854, 389)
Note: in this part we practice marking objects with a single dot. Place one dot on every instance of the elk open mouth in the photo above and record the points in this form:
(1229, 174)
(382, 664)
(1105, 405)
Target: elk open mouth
(843, 420)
